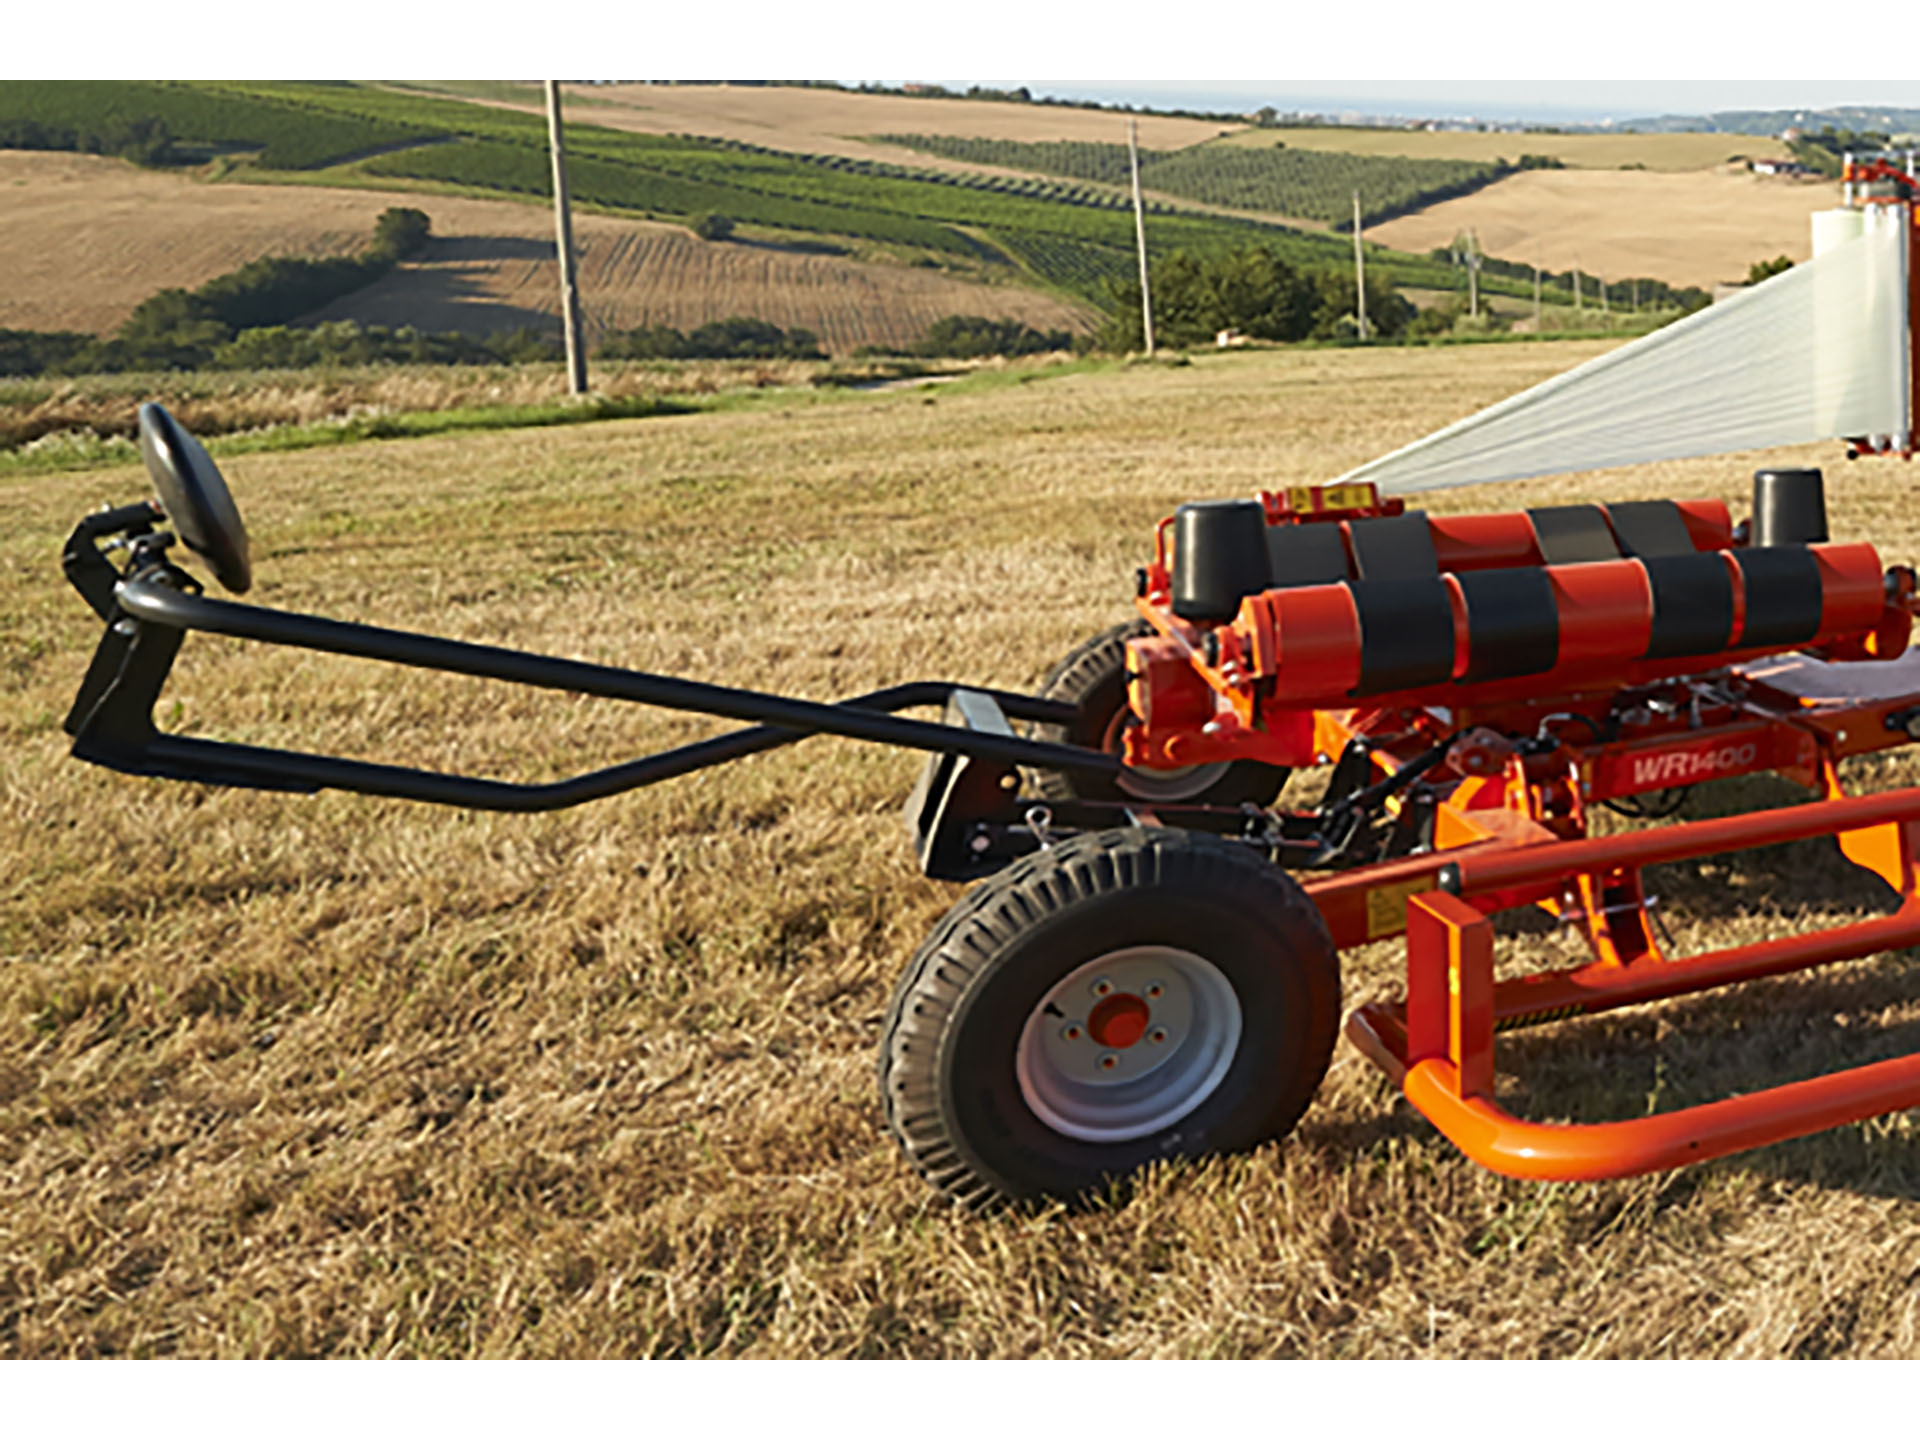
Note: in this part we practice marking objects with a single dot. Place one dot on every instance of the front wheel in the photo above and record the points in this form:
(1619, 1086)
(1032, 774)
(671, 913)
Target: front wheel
(1125, 997)
(1093, 679)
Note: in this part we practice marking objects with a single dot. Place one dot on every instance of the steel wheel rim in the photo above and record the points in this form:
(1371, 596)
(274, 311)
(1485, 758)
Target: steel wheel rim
(1128, 1044)
(1168, 787)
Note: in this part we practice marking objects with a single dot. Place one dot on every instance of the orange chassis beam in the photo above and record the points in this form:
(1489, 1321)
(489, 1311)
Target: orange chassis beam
(1438, 1045)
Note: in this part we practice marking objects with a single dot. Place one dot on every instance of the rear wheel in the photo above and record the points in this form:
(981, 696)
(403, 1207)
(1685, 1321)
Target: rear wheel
(1093, 678)
(1125, 997)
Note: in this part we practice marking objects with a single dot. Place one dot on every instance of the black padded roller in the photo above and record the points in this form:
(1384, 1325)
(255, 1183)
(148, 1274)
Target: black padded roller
(1692, 604)
(1784, 595)
(1513, 623)
(1219, 557)
(1650, 527)
(1572, 534)
(1305, 555)
(1393, 547)
(1406, 634)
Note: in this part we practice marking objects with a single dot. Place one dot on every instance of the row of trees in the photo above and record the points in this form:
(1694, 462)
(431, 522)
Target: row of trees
(191, 329)
(1253, 290)
(143, 139)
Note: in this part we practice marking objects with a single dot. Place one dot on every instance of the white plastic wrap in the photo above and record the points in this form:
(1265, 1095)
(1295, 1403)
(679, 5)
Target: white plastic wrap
(1818, 352)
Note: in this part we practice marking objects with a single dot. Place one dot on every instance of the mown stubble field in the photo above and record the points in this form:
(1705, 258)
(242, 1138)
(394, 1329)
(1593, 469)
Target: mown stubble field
(338, 1076)
(84, 239)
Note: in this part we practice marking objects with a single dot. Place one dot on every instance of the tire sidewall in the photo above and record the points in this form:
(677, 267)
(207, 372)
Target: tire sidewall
(1284, 1041)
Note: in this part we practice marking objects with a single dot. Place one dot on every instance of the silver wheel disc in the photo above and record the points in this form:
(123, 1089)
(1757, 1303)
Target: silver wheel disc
(1129, 1043)
(1168, 787)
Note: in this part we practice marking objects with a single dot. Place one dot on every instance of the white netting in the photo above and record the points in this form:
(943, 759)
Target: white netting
(1817, 352)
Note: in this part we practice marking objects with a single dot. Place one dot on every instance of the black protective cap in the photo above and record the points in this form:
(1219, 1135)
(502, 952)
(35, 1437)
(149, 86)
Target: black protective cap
(195, 497)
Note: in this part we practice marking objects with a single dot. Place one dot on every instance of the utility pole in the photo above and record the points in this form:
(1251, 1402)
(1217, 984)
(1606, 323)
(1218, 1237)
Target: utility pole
(1576, 287)
(1473, 276)
(1359, 270)
(1536, 298)
(563, 222)
(1140, 231)
(1603, 299)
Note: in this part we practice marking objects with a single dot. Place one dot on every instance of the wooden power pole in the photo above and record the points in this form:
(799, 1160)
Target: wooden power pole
(1473, 276)
(563, 223)
(1140, 231)
(1359, 271)
(1536, 299)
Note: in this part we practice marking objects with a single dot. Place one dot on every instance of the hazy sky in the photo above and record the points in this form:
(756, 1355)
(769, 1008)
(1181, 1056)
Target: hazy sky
(1583, 100)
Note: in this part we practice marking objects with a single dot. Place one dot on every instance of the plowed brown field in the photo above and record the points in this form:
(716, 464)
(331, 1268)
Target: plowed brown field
(84, 239)
(1694, 229)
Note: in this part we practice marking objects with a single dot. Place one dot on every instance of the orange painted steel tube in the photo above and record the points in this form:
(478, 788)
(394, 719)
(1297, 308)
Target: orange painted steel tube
(1494, 870)
(1597, 987)
(1615, 1149)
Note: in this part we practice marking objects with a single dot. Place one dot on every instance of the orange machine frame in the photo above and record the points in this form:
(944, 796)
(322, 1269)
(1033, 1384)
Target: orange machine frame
(1511, 831)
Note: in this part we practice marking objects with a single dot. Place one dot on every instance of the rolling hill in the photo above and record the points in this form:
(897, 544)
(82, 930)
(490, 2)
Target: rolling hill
(83, 239)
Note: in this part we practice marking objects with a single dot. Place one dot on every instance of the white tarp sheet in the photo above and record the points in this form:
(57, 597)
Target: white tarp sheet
(1818, 352)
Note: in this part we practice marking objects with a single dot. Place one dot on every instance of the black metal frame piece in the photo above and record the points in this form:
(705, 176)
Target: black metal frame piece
(152, 608)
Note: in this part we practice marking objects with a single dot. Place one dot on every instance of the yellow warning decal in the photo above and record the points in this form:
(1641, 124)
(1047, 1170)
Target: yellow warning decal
(1387, 905)
(1348, 497)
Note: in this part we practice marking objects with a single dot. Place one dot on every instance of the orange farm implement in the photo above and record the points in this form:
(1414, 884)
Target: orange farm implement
(1146, 965)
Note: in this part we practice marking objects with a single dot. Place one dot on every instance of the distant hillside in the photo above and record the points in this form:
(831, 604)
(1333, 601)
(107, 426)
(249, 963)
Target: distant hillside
(1065, 238)
(1894, 119)
(84, 239)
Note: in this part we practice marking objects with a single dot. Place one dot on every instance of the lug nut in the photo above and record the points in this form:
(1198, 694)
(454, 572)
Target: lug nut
(1154, 992)
(1103, 986)
(1157, 1036)
(1072, 1032)
(1107, 1062)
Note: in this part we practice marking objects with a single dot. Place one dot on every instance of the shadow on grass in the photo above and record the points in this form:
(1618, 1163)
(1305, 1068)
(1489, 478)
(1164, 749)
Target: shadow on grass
(1694, 1050)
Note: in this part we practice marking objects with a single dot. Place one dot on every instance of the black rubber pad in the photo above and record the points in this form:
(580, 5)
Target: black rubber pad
(1513, 623)
(1784, 594)
(1406, 634)
(1650, 527)
(1572, 534)
(1692, 604)
(1305, 555)
(1393, 547)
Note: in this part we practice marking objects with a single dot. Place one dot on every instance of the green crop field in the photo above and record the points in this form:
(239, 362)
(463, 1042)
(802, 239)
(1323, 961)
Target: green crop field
(1062, 235)
(1680, 150)
(1305, 184)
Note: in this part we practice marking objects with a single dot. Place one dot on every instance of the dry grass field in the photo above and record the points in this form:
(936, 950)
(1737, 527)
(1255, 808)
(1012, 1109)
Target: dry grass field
(1685, 229)
(84, 239)
(837, 122)
(339, 1076)
(1679, 151)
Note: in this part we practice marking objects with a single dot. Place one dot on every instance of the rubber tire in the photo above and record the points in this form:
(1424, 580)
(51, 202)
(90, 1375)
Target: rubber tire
(1094, 678)
(947, 1075)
